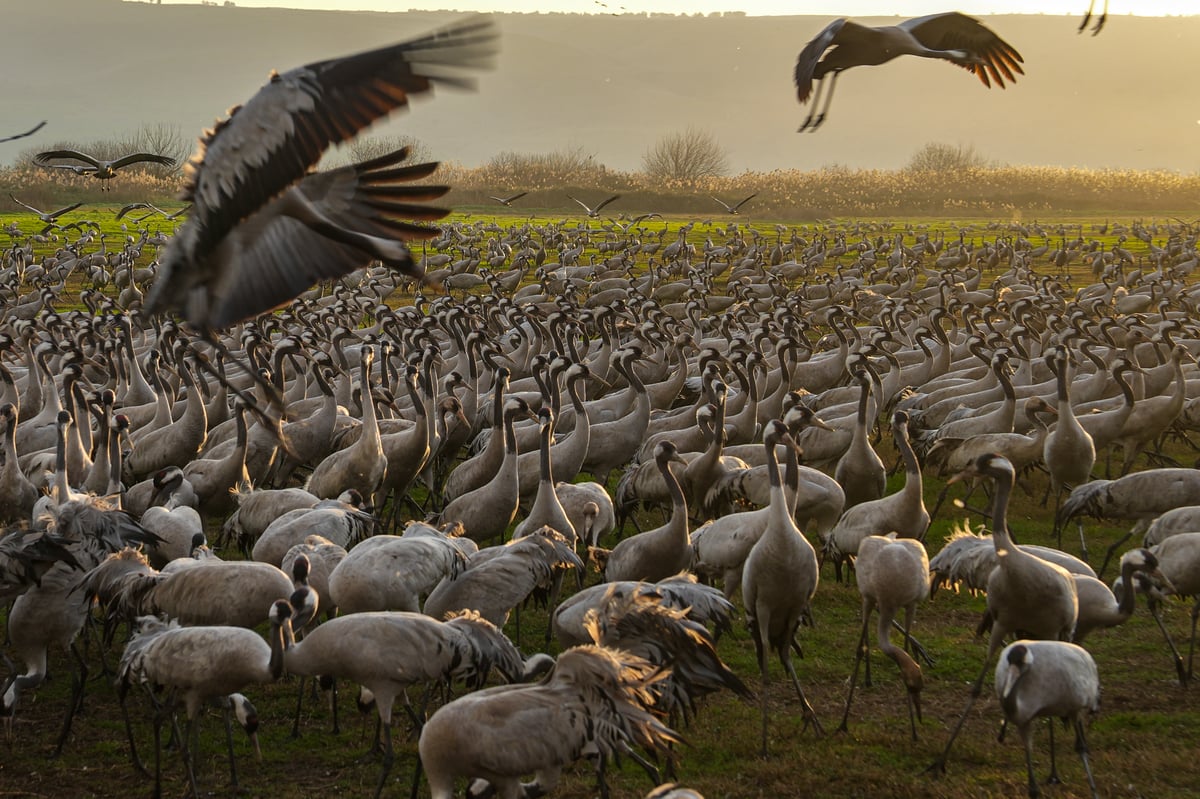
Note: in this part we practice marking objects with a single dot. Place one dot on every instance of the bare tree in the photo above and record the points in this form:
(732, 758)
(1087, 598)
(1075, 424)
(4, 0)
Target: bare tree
(940, 157)
(163, 138)
(691, 155)
(369, 147)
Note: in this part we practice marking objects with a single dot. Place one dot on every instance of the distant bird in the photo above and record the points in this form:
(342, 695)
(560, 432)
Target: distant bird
(48, 217)
(96, 167)
(1054, 679)
(262, 229)
(508, 201)
(126, 209)
(594, 213)
(951, 36)
(34, 130)
(1082, 26)
(735, 208)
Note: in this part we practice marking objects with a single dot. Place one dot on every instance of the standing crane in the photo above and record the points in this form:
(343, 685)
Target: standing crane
(1051, 679)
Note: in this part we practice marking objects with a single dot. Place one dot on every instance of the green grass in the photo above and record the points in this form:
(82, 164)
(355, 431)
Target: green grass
(1143, 741)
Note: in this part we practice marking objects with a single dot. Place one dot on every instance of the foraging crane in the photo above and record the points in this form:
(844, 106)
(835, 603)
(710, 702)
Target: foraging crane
(1054, 679)
(954, 37)
(196, 664)
(892, 574)
(257, 208)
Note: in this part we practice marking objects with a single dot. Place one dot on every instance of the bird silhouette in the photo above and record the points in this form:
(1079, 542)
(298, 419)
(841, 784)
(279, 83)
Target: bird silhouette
(257, 215)
(952, 36)
(49, 217)
(736, 208)
(594, 213)
(101, 169)
(30, 132)
(508, 201)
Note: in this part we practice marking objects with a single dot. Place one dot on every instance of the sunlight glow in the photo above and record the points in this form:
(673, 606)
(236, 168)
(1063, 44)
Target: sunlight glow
(833, 8)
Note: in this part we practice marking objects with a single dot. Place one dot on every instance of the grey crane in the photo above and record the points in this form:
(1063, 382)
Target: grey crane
(49, 217)
(736, 208)
(1051, 679)
(196, 664)
(778, 583)
(954, 37)
(659, 553)
(99, 168)
(386, 652)
(1024, 592)
(594, 699)
(508, 201)
(256, 207)
(594, 213)
(892, 574)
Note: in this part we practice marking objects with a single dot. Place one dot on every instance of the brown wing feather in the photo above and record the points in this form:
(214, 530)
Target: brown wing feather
(999, 60)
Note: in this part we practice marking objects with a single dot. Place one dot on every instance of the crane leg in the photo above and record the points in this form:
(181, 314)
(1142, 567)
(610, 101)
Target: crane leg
(1082, 748)
(233, 779)
(79, 672)
(1053, 779)
(810, 716)
(1027, 740)
(1179, 670)
(1111, 551)
(189, 748)
(807, 124)
(299, 704)
(388, 755)
(858, 656)
(939, 766)
(1192, 644)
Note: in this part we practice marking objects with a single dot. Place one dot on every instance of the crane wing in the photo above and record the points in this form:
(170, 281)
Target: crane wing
(806, 62)
(997, 59)
(30, 132)
(44, 159)
(606, 202)
(281, 132)
(137, 158)
(25, 205)
(276, 255)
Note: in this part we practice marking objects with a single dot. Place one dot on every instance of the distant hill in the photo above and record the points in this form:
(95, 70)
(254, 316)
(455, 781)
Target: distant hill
(613, 85)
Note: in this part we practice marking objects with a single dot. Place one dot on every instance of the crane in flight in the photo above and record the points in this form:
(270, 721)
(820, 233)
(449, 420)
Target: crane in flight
(954, 37)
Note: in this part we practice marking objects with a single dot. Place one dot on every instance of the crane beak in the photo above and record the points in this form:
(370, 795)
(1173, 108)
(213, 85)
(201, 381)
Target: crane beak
(822, 424)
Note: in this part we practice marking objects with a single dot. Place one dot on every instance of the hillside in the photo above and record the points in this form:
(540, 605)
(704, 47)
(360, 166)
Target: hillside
(613, 85)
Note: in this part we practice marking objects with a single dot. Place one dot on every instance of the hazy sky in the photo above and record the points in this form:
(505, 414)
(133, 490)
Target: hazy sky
(754, 7)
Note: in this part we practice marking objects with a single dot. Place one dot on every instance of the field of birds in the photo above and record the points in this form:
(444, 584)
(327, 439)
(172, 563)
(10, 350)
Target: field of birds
(896, 313)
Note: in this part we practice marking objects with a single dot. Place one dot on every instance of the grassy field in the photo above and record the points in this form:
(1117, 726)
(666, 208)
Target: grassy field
(1143, 741)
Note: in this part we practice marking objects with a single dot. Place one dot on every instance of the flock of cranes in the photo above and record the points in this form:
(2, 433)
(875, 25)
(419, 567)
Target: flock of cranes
(308, 435)
(741, 415)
